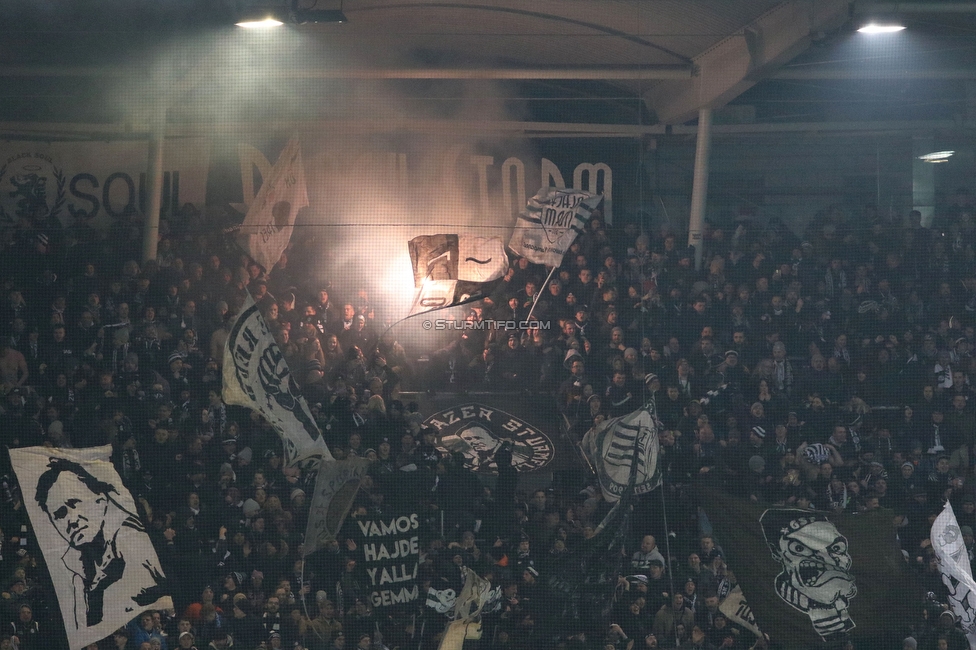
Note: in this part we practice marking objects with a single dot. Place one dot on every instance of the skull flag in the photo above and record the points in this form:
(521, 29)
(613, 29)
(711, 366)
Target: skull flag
(814, 578)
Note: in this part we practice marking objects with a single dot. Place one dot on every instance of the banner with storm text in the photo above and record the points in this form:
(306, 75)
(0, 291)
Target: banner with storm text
(104, 569)
(256, 376)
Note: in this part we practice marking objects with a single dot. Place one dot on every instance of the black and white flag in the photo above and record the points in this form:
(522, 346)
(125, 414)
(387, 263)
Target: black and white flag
(336, 487)
(811, 577)
(615, 445)
(957, 574)
(550, 223)
(270, 218)
(454, 269)
(103, 566)
(257, 376)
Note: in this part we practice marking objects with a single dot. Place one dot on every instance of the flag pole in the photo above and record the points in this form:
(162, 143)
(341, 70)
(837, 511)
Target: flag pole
(667, 545)
(539, 292)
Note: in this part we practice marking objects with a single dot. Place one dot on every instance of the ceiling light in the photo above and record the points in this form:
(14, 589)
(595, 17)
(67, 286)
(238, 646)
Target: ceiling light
(937, 156)
(881, 28)
(259, 23)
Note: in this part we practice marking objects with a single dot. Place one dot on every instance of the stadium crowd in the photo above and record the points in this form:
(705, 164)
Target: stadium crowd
(830, 370)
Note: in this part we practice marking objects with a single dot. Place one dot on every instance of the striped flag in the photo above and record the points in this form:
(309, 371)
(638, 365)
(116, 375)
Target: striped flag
(550, 222)
(614, 446)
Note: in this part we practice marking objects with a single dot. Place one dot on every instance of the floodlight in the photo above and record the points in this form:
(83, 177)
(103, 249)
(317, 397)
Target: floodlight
(881, 28)
(937, 156)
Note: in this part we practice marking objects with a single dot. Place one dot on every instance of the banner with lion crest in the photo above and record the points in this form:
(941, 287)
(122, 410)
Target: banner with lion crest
(54, 184)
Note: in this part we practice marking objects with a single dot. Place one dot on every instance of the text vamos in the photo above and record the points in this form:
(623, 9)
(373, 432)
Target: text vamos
(389, 550)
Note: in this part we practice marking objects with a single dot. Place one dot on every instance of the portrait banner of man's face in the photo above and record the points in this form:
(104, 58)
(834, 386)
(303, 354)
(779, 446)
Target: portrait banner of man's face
(103, 566)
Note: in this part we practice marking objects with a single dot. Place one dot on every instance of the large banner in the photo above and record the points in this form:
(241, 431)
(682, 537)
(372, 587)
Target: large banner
(97, 182)
(813, 577)
(476, 426)
(256, 376)
(270, 218)
(388, 548)
(103, 566)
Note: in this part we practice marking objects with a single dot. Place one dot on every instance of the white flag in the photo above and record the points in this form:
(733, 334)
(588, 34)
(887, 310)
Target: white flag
(957, 575)
(613, 446)
(549, 224)
(257, 376)
(103, 566)
(737, 610)
(270, 218)
(335, 490)
(452, 269)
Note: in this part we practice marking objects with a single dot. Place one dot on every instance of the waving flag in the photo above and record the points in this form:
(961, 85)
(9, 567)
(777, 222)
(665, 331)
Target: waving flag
(454, 269)
(614, 446)
(257, 376)
(270, 218)
(949, 547)
(335, 490)
(550, 223)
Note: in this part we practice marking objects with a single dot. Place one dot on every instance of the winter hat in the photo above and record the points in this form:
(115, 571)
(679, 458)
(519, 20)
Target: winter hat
(759, 431)
(297, 492)
(251, 508)
(909, 642)
(757, 464)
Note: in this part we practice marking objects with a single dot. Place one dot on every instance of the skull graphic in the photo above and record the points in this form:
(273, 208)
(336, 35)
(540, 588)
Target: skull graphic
(816, 577)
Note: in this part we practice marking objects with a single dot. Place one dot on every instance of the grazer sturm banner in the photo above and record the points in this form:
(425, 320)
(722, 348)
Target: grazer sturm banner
(812, 577)
(550, 223)
(389, 549)
(270, 218)
(957, 574)
(256, 376)
(335, 489)
(615, 445)
(103, 566)
(97, 182)
(454, 269)
(478, 431)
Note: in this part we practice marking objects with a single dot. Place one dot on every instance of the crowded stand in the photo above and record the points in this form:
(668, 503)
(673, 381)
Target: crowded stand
(827, 369)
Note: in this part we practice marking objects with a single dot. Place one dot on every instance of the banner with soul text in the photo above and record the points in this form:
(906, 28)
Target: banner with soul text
(388, 548)
(97, 183)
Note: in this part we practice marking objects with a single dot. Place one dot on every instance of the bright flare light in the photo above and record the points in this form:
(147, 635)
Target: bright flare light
(937, 156)
(264, 23)
(875, 28)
